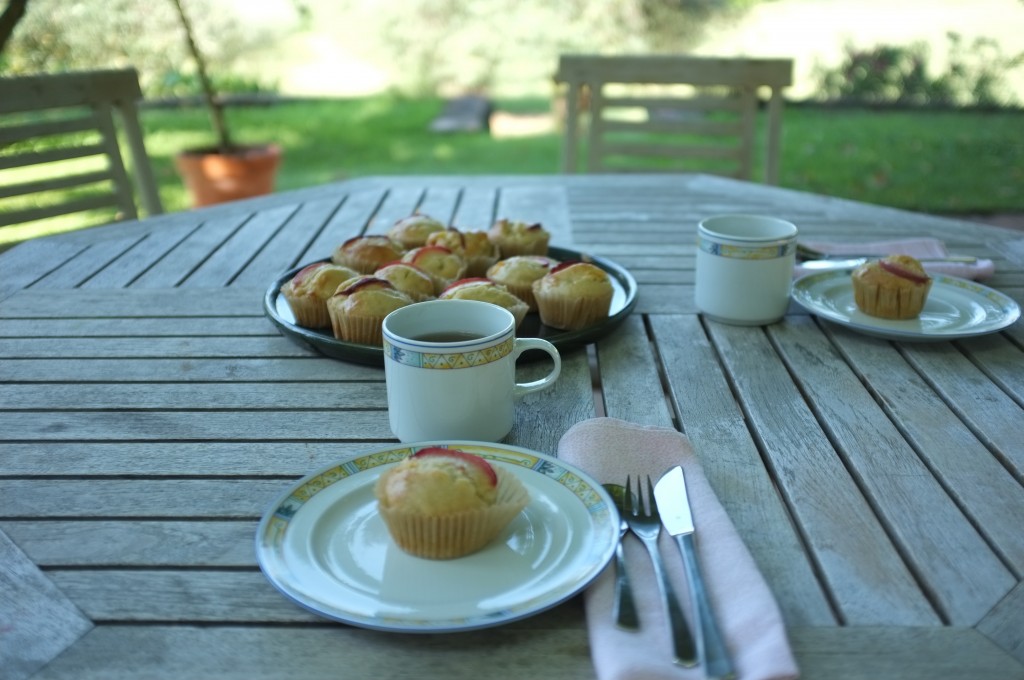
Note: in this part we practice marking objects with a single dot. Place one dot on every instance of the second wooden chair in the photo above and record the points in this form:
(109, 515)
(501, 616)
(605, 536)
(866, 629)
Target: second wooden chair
(672, 114)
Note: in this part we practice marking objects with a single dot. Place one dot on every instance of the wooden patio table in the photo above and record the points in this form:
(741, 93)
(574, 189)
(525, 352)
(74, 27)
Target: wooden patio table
(150, 412)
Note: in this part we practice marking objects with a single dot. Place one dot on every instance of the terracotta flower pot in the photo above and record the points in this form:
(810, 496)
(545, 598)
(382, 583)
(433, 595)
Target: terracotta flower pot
(212, 177)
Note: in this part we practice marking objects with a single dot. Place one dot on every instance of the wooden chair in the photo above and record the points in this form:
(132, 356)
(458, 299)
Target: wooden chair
(59, 131)
(671, 114)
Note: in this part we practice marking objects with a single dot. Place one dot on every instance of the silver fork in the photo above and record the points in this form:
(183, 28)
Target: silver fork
(647, 527)
(625, 606)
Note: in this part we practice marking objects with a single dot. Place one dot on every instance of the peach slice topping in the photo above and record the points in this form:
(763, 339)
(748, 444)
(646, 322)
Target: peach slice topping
(902, 272)
(469, 458)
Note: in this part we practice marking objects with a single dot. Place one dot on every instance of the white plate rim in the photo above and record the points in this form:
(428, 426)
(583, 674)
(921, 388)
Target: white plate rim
(1007, 311)
(594, 499)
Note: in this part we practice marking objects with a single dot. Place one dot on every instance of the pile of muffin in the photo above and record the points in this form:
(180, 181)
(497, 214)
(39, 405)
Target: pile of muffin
(420, 259)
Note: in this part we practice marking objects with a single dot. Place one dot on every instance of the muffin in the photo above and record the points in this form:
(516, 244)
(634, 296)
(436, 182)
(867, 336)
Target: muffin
(517, 273)
(573, 295)
(359, 307)
(519, 238)
(444, 503)
(366, 254)
(894, 287)
(486, 290)
(409, 279)
(441, 264)
(307, 292)
(474, 246)
(412, 231)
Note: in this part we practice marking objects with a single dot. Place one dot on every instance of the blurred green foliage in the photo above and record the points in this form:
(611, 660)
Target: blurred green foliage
(65, 35)
(446, 46)
(974, 74)
(427, 46)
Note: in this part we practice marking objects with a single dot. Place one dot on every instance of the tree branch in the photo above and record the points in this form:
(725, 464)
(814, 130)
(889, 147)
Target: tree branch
(9, 19)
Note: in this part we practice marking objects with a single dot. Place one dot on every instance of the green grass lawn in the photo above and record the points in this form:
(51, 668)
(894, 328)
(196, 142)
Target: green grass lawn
(929, 161)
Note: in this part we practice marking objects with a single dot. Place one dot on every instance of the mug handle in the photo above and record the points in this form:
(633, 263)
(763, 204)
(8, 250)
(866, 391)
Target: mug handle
(523, 344)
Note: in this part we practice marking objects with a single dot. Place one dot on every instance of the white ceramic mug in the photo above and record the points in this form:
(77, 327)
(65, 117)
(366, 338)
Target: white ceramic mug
(745, 268)
(450, 367)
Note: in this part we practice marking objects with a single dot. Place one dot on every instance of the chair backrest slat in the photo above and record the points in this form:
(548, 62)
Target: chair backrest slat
(52, 124)
(13, 134)
(97, 202)
(672, 111)
(54, 183)
(56, 155)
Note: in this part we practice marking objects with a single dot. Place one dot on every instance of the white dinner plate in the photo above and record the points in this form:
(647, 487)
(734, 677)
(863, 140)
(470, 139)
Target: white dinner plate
(323, 544)
(955, 308)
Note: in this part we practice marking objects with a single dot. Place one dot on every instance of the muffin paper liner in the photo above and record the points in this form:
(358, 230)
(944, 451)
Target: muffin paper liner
(443, 537)
(309, 312)
(890, 302)
(364, 330)
(522, 291)
(568, 313)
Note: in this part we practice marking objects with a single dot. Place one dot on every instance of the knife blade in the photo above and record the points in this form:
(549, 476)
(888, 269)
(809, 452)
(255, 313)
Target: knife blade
(674, 507)
(854, 262)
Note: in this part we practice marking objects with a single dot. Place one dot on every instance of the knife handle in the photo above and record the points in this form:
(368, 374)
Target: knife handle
(716, 657)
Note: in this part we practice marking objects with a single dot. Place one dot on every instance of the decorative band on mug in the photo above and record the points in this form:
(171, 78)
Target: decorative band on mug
(449, 360)
(747, 252)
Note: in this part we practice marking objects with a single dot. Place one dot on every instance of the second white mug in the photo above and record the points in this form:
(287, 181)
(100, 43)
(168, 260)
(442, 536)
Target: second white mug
(744, 268)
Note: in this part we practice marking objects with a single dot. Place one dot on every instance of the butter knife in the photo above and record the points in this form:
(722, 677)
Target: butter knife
(854, 262)
(674, 506)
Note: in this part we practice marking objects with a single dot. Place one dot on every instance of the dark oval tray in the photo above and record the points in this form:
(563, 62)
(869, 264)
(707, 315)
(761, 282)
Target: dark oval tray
(623, 301)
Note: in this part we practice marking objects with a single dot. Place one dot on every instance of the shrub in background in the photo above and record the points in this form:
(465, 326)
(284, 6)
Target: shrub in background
(975, 75)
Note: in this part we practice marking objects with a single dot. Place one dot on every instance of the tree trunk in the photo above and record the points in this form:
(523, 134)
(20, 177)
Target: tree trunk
(9, 19)
(213, 103)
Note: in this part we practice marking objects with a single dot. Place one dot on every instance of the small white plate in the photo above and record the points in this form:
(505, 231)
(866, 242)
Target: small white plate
(323, 544)
(955, 308)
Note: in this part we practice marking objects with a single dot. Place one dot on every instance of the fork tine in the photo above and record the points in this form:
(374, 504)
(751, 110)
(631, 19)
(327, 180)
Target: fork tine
(640, 500)
(629, 498)
(650, 499)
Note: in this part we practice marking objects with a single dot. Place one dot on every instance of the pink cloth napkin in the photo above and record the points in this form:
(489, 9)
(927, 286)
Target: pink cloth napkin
(915, 247)
(609, 449)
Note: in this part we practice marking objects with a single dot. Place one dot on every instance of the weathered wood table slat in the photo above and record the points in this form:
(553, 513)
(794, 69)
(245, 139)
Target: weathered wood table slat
(150, 412)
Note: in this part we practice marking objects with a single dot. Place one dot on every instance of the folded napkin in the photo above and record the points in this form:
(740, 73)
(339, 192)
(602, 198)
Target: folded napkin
(915, 247)
(609, 449)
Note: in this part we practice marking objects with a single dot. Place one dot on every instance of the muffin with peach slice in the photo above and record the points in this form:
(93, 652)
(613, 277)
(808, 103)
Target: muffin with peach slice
(412, 231)
(474, 246)
(409, 279)
(573, 295)
(517, 273)
(308, 291)
(894, 287)
(366, 253)
(440, 263)
(519, 238)
(442, 503)
(485, 290)
(358, 308)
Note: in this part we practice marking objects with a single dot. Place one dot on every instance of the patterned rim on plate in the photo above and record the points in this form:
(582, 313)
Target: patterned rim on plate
(575, 570)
